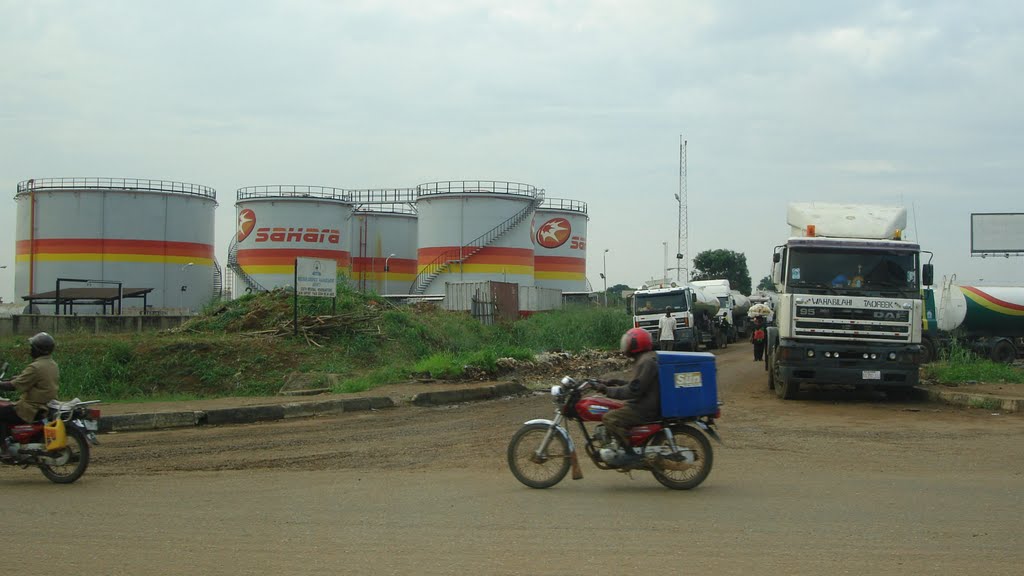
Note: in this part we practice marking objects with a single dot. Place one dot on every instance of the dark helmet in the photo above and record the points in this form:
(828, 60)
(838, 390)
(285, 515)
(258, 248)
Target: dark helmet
(42, 344)
(636, 341)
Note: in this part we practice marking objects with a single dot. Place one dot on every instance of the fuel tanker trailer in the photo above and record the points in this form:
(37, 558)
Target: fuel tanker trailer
(695, 312)
(987, 319)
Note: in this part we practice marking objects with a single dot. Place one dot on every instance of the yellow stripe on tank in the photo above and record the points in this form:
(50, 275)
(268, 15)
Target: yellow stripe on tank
(141, 258)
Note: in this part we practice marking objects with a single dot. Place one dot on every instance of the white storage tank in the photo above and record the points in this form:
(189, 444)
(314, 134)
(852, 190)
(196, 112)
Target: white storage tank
(560, 245)
(474, 231)
(383, 241)
(279, 223)
(153, 234)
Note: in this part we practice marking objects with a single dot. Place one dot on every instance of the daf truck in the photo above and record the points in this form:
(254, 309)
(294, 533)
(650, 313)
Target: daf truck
(849, 309)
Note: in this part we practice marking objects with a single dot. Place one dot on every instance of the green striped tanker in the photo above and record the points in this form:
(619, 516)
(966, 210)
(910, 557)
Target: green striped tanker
(988, 319)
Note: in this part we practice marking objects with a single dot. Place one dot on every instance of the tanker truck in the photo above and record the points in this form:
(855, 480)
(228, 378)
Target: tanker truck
(989, 320)
(732, 307)
(849, 309)
(695, 313)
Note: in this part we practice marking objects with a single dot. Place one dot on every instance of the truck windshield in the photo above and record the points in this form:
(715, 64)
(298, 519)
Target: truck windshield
(849, 270)
(723, 302)
(657, 303)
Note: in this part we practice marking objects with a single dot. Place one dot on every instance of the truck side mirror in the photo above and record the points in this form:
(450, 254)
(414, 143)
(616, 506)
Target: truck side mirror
(928, 275)
(776, 257)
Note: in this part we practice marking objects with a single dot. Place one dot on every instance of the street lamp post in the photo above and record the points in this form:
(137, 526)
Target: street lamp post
(387, 269)
(184, 287)
(604, 275)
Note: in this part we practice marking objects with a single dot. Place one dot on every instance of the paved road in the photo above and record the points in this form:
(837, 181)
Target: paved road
(836, 483)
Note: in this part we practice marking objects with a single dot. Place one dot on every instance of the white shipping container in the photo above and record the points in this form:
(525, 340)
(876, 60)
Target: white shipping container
(537, 299)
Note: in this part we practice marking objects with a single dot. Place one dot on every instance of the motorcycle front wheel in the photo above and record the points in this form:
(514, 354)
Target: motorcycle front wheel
(687, 469)
(73, 459)
(533, 467)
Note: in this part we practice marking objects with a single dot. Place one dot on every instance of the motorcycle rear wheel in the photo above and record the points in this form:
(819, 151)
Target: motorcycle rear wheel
(77, 452)
(545, 470)
(678, 474)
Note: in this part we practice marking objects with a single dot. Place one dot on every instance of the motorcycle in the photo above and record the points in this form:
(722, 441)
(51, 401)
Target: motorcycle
(58, 444)
(675, 450)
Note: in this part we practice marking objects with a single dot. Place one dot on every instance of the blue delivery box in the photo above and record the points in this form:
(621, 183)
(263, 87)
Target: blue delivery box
(688, 384)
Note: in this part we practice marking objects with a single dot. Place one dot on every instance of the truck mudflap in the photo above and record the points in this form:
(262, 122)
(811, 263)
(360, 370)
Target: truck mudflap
(882, 367)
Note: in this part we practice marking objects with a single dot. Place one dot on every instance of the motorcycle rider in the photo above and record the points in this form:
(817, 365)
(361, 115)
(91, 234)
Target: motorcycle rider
(641, 392)
(38, 383)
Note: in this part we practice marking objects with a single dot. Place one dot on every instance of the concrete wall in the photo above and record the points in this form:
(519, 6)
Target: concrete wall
(27, 325)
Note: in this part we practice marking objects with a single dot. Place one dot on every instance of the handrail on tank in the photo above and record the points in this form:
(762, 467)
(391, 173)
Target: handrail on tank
(375, 208)
(566, 204)
(476, 187)
(383, 196)
(143, 184)
(292, 191)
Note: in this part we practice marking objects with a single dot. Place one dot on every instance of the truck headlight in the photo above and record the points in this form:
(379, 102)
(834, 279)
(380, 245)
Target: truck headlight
(892, 355)
(810, 353)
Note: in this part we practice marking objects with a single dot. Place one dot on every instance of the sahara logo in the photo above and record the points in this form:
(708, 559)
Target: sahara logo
(554, 233)
(246, 222)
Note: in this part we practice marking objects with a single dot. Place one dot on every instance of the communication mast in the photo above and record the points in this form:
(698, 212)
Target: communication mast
(681, 247)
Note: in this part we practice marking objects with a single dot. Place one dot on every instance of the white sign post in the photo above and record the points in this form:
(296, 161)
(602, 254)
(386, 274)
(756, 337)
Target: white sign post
(315, 277)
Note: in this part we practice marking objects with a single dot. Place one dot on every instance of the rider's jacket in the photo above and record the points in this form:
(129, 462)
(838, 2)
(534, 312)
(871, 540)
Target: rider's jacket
(38, 384)
(641, 391)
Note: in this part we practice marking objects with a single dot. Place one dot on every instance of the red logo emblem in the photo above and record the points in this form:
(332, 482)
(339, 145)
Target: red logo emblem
(554, 233)
(246, 223)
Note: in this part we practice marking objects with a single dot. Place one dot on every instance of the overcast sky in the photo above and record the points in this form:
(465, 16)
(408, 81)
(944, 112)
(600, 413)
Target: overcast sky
(914, 103)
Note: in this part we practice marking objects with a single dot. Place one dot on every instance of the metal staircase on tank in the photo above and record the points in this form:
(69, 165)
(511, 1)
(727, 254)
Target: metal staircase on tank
(218, 280)
(235, 267)
(448, 258)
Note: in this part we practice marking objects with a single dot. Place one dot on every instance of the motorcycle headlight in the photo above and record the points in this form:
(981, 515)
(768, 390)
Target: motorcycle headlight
(556, 390)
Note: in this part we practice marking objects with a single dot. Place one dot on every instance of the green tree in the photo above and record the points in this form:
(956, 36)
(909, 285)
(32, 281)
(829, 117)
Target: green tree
(766, 284)
(715, 264)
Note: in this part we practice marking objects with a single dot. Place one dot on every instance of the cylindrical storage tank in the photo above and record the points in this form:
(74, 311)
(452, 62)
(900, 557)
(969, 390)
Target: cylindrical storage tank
(474, 231)
(277, 224)
(383, 243)
(560, 245)
(983, 310)
(143, 233)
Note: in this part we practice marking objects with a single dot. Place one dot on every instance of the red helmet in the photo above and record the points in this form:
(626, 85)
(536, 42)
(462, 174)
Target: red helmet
(636, 341)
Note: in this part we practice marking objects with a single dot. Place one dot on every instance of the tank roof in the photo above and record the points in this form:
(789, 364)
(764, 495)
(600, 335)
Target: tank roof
(99, 183)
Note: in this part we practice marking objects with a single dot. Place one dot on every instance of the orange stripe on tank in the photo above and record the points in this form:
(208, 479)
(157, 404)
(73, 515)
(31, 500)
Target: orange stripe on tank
(560, 264)
(991, 301)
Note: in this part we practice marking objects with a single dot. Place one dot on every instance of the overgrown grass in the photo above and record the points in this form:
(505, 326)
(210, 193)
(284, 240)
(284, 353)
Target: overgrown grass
(216, 354)
(958, 365)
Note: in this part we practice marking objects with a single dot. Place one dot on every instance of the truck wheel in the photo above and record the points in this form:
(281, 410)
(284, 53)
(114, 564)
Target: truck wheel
(1003, 352)
(785, 387)
(928, 351)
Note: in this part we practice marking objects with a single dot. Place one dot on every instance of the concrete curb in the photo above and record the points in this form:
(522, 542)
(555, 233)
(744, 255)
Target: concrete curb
(443, 397)
(239, 415)
(967, 399)
(296, 409)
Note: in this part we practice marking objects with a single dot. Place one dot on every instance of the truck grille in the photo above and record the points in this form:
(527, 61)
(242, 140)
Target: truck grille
(852, 323)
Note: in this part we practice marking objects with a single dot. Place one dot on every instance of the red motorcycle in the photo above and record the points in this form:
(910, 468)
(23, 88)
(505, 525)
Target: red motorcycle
(675, 450)
(58, 444)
